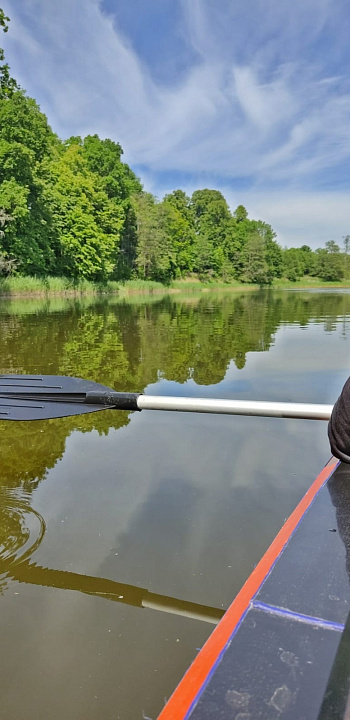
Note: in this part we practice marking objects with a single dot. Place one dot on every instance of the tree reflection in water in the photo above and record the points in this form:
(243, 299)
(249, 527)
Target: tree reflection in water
(126, 346)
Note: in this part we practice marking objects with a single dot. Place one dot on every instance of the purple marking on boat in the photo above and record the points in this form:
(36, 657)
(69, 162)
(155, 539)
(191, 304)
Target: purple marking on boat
(299, 617)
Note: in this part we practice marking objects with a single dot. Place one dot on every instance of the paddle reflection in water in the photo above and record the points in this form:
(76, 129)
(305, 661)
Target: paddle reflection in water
(21, 532)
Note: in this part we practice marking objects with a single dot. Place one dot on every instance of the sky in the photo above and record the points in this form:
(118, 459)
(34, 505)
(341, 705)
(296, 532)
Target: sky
(251, 97)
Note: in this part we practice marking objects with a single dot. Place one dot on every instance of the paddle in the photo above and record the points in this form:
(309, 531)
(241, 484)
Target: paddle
(39, 397)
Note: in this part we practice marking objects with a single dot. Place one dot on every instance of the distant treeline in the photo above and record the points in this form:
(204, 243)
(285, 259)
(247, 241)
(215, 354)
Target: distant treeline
(73, 208)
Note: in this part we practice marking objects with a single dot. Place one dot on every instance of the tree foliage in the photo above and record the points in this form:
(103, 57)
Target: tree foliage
(329, 264)
(7, 83)
(156, 247)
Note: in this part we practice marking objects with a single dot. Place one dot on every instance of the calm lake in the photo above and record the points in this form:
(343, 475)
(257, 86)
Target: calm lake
(124, 537)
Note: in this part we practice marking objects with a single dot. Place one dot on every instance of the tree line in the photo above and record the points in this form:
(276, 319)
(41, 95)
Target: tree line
(74, 208)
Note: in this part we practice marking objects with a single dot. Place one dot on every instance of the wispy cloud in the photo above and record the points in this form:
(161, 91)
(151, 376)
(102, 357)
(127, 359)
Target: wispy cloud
(264, 98)
(306, 217)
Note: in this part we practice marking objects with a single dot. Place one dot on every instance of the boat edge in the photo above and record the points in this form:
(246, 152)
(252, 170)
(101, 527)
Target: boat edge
(190, 687)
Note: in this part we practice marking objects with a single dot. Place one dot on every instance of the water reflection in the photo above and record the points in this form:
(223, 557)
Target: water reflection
(131, 346)
(182, 506)
(21, 532)
(194, 339)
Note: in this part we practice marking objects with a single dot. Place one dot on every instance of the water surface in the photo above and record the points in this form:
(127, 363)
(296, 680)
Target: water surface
(123, 537)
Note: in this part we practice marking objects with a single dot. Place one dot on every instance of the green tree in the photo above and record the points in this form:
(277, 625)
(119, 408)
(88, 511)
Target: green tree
(155, 250)
(7, 84)
(120, 183)
(103, 157)
(182, 230)
(329, 264)
(4, 20)
(21, 121)
(25, 139)
(346, 255)
(240, 214)
(86, 222)
(254, 265)
(237, 235)
(273, 252)
(126, 262)
(211, 223)
(182, 203)
(292, 264)
(308, 260)
(242, 243)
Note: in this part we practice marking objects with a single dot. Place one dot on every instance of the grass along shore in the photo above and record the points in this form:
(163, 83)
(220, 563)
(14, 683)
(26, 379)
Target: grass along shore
(19, 285)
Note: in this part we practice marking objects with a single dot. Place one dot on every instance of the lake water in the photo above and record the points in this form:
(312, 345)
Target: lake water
(124, 537)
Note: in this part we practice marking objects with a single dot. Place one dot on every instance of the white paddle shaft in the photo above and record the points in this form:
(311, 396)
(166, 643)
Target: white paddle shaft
(236, 407)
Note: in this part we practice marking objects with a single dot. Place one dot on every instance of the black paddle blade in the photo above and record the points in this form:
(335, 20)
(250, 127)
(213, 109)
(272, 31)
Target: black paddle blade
(40, 397)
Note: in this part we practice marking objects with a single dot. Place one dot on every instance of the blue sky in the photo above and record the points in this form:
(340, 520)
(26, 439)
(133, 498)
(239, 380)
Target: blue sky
(251, 98)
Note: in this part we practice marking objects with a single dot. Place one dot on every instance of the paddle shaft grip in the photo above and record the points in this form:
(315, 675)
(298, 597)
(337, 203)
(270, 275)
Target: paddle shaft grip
(117, 400)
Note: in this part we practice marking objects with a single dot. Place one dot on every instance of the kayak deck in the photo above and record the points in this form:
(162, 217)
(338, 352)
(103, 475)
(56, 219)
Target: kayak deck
(271, 655)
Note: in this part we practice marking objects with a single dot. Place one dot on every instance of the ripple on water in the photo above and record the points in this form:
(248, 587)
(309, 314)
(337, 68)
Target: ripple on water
(21, 528)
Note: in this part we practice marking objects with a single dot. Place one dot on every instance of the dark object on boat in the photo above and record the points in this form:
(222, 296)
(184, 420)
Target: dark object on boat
(279, 653)
(339, 425)
(336, 700)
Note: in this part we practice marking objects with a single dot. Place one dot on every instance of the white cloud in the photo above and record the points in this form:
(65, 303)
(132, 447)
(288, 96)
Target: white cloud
(265, 105)
(310, 218)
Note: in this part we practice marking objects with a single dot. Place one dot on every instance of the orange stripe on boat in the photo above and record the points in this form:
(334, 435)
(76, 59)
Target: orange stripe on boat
(187, 690)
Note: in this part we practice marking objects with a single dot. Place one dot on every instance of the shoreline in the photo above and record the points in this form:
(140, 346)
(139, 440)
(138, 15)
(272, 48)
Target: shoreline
(20, 288)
